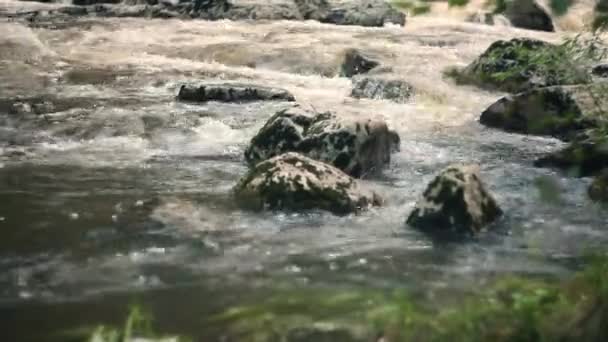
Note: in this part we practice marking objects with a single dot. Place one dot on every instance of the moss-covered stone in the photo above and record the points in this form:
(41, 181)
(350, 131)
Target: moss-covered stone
(582, 158)
(559, 111)
(521, 64)
(598, 190)
(294, 182)
(456, 200)
(382, 88)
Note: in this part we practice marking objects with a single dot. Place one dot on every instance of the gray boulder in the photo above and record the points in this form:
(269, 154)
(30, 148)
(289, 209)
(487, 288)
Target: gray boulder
(292, 181)
(528, 14)
(382, 88)
(357, 147)
(455, 201)
(232, 92)
(560, 111)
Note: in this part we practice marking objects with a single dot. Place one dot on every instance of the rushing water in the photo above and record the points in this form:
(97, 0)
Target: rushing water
(124, 193)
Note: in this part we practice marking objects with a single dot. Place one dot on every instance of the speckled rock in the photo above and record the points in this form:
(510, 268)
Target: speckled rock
(357, 147)
(455, 201)
(295, 182)
(382, 88)
(232, 92)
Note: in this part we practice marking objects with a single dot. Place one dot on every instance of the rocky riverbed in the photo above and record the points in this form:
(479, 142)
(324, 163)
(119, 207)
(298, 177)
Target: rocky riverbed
(114, 188)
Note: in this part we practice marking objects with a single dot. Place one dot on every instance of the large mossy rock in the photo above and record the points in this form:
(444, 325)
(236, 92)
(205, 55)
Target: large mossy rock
(357, 147)
(581, 158)
(521, 64)
(382, 87)
(232, 92)
(598, 190)
(559, 111)
(528, 14)
(293, 181)
(455, 201)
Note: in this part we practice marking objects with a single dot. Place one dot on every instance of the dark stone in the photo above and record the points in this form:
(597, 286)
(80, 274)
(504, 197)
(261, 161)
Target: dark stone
(582, 158)
(455, 201)
(528, 14)
(508, 66)
(598, 190)
(233, 92)
(355, 63)
(357, 147)
(292, 181)
(382, 88)
(561, 111)
(600, 70)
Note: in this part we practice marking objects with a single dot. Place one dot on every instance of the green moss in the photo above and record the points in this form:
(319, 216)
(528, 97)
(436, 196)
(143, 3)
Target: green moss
(511, 309)
(560, 7)
(457, 3)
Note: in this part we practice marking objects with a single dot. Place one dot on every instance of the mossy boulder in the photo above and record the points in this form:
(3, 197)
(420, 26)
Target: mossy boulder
(382, 88)
(598, 190)
(586, 157)
(455, 201)
(559, 111)
(521, 64)
(358, 147)
(293, 181)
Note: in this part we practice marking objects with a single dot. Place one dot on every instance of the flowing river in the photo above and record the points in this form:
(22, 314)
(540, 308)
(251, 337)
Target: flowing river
(123, 194)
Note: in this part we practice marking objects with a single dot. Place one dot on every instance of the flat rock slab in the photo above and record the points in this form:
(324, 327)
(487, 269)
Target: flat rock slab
(357, 12)
(232, 92)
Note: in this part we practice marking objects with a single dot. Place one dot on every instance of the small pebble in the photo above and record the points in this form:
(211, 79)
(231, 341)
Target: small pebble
(74, 216)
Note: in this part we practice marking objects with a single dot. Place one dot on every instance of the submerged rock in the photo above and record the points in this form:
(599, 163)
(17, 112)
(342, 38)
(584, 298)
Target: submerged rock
(232, 92)
(560, 111)
(581, 158)
(456, 200)
(382, 88)
(528, 14)
(356, 62)
(513, 66)
(357, 147)
(295, 182)
(598, 190)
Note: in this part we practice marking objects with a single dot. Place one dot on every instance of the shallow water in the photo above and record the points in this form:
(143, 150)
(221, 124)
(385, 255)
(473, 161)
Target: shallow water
(123, 194)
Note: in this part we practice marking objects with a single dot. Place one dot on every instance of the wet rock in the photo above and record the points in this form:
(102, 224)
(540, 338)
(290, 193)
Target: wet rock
(528, 14)
(232, 92)
(560, 111)
(455, 201)
(357, 147)
(510, 66)
(600, 70)
(581, 158)
(294, 182)
(94, 2)
(382, 88)
(356, 62)
(313, 9)
(598, 190)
